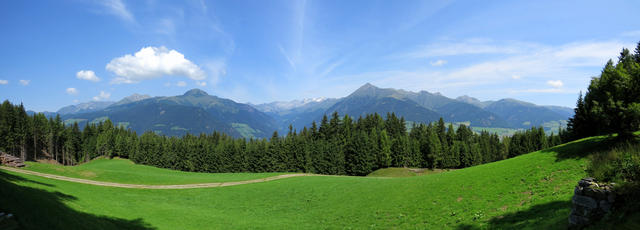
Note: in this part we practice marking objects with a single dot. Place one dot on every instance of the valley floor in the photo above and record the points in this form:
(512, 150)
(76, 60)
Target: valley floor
(532, 191)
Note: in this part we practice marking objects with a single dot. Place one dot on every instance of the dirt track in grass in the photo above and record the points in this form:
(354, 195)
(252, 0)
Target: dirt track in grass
(140, 186)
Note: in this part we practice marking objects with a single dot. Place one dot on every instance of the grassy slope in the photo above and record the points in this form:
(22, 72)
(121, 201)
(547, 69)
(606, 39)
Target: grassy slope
(404, 172)
(125, 171)
(532, 191)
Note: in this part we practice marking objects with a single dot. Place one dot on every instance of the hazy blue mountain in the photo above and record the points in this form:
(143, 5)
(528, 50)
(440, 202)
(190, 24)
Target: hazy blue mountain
(133, 98)
(370, 99)
(520, 114)
(564, 111)
(86, 107)
(299, 113)
(193, 112)
(456, 111)
(474, 101)
(46, 113)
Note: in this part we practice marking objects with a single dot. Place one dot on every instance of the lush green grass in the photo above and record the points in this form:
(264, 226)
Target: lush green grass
(404, 172)
(532, 191)
(125, 171)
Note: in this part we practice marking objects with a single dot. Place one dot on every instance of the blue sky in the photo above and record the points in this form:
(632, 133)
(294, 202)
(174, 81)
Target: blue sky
(56, 53)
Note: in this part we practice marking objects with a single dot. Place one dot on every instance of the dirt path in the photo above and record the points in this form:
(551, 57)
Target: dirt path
(177, 186)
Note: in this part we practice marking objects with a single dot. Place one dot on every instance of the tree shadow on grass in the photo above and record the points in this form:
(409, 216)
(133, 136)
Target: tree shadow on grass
(582, 148)
(40, 209)
(552, 215)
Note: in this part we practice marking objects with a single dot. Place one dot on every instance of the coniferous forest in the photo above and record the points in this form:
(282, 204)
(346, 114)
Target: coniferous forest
(337, 145)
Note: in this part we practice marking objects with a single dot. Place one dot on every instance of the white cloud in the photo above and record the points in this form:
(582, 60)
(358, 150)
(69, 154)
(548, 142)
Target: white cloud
(181, 84)
(103, 96)
(25, 82)
(76, 100)
(202, 83)
(118, 8)
(438, 62)
(72, 91)
(555, 83)
(153, 62)
(516, 77)
(4, 82)
(87, 75)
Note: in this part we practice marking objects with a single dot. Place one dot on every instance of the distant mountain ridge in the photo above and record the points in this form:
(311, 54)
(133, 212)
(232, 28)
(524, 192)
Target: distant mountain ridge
(86, 107)
(193, 112)
(421, 106)
(196, 111)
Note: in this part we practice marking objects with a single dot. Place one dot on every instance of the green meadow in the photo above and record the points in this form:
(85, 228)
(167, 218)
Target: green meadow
(124, 171)
(531, 191)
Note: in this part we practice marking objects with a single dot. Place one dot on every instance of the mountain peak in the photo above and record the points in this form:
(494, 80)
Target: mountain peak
(467, 98)
(366, 90)
(367, 86)
(196, 92)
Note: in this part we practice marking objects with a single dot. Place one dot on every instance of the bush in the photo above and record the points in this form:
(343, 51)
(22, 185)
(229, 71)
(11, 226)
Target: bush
(620, 164)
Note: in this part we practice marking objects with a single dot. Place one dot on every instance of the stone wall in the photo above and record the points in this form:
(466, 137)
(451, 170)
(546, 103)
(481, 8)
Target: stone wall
(591, 201)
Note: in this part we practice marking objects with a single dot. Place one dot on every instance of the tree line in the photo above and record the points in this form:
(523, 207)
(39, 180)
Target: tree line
(338, 145)
(612, 101)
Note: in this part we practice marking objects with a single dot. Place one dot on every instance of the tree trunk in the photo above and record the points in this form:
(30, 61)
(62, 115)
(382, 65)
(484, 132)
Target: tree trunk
(35, 146)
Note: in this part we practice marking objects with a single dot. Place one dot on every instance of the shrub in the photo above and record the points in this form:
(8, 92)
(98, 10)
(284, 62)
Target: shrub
(620, 164)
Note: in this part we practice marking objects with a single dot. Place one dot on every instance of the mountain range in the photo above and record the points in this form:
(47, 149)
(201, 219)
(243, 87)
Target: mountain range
(197, 112)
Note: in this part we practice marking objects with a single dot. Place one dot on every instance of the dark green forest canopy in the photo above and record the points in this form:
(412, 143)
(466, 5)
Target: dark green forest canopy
(338, 145)
(612, 101)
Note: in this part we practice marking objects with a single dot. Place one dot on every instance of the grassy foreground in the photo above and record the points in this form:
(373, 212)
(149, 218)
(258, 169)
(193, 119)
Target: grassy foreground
(404, 172)
(531, 191)
(124, 171)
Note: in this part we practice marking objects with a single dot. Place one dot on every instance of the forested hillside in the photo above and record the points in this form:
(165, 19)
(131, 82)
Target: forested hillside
(339, 145)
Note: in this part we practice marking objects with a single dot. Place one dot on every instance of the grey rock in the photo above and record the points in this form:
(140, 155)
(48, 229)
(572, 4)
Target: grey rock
(577, 190)
(585, 201)
(578, 220)
(605, 206)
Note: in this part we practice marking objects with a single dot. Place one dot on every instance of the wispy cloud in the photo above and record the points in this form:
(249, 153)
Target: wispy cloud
(468, 47)
(555, 83)
(72, 91)
(570, 64)
(439, 62)
(102, 96)
(181, 84)
(4, 82)
(216, 69)
(24, 82)
(118, 8)
(634, 33)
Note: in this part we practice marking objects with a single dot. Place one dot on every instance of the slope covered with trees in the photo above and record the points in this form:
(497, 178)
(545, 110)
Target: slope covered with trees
(612, 101)
(339, 145)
